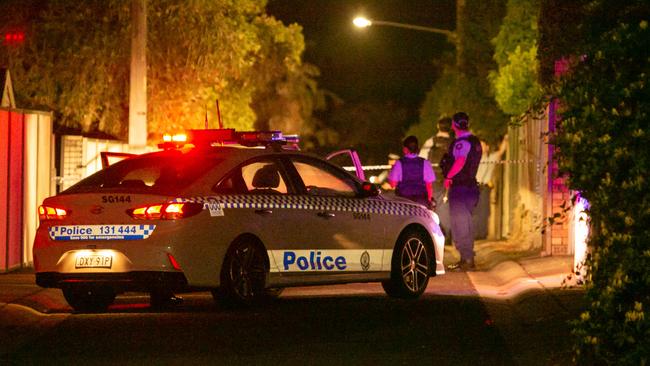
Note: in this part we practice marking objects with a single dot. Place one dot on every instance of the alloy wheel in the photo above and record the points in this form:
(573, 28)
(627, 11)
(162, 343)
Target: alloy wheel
(414, 264)
(247, 271)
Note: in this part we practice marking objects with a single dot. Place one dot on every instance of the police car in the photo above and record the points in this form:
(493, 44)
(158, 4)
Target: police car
(241, 214)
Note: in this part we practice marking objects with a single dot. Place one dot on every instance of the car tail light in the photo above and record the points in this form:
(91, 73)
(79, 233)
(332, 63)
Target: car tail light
(166, 211)
(174, 262)
(51, 213)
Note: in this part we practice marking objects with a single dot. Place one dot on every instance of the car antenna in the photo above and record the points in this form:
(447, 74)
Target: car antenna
(219, 115)
(206, 117)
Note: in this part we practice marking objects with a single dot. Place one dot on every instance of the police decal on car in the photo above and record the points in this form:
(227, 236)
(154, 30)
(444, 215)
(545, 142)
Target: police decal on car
(101, 232)
(214, 207)
(325, 260)
(359, 206)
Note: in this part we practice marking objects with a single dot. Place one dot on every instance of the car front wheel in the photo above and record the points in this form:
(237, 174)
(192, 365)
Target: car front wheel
(410, 267)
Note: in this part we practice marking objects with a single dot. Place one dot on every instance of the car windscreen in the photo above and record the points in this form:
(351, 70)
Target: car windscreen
(158, 174)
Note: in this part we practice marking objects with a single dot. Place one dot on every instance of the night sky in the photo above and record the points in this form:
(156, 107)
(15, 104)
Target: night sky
(378, 63)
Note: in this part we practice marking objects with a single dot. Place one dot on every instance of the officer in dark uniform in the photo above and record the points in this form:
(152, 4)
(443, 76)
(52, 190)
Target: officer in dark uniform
(412, 175)
(465, 155)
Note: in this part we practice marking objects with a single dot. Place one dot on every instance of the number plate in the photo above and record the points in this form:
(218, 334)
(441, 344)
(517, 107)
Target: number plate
(101, 232)
(93, 261)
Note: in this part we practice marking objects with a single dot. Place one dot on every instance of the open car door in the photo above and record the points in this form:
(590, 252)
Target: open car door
(109, 158)
(349, 160)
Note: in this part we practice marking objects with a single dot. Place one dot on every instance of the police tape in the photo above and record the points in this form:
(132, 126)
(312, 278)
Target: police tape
(387, 167)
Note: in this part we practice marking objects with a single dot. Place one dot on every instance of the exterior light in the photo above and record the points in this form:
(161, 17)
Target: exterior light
(362, 22)
(179, 137)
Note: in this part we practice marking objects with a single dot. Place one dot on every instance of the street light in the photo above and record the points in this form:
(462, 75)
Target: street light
(363, 22)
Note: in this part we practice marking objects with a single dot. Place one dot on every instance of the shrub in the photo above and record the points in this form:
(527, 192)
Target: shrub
(603, 142)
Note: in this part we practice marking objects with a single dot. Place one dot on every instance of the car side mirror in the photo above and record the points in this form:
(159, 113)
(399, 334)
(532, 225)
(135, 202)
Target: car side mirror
(369, 190)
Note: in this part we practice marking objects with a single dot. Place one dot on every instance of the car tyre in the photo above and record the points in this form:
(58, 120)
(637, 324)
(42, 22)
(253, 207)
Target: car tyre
(243, 275)
(89, 299)
(273, 292)
(410, 267)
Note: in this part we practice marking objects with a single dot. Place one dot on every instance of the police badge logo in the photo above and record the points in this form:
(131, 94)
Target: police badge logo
(365, 260)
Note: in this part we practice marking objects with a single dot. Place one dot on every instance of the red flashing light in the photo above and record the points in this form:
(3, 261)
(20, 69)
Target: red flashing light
(51, 213)
(14, 38)
(208, 137)
(166, 211)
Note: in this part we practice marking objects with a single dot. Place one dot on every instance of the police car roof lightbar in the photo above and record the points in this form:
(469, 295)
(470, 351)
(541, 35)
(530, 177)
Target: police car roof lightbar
(228, 136)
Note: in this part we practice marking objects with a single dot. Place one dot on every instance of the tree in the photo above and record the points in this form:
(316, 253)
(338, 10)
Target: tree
(365, 126)
(464, 86)
(198, 52)
(603, 141)
(515, 51)
(60, 67)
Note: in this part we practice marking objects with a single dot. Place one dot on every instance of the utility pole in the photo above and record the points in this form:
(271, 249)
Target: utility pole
(138, 82)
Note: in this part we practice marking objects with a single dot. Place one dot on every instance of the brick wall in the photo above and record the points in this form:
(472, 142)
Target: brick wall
(557, 240)
(561, 198)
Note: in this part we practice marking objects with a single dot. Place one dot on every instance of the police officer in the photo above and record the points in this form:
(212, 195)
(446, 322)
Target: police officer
(412, 175)
(465, 154)
(433, 149)
(435, 146)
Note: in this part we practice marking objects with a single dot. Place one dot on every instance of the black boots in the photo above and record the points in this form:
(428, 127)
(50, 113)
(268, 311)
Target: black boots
(462, 266)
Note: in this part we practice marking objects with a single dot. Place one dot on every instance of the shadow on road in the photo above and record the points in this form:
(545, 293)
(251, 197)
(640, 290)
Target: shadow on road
(370, 329)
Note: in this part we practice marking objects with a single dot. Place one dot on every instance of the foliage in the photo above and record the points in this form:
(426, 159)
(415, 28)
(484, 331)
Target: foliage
(603, 145)
(198, 51)
(450, 95)
(365, 127)
(515, 82)
(559, 33)
(59, 68)
(465, 86)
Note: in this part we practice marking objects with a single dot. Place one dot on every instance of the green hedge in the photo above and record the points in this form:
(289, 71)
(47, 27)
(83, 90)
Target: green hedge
(604, 147)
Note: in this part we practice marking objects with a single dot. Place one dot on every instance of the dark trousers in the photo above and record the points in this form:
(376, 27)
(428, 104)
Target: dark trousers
(462, 201)
(442, 209)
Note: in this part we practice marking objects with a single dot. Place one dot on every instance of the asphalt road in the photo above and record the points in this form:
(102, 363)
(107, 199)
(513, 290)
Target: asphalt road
(348, 325)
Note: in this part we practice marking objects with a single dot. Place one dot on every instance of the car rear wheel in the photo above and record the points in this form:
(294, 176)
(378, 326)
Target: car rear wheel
(243, 275)
(273, 292)
(89, 298)
(410, 267)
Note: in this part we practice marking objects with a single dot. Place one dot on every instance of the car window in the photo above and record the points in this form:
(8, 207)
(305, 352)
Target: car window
(260, 177)
(322, 180)
(166, 174)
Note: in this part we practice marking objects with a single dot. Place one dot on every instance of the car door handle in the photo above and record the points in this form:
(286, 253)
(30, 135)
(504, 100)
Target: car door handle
(326, 214)
(264, 211)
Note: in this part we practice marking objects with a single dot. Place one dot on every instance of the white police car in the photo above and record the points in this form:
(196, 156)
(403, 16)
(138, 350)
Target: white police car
(240, 221)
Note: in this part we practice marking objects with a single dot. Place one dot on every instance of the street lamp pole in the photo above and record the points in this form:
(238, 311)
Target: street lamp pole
(452, 37)
(450, 34)
(138, 78)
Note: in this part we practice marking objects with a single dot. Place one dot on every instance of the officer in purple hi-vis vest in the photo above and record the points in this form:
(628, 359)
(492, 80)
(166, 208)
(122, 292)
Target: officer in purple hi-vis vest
(412, 175)
(465, 153)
